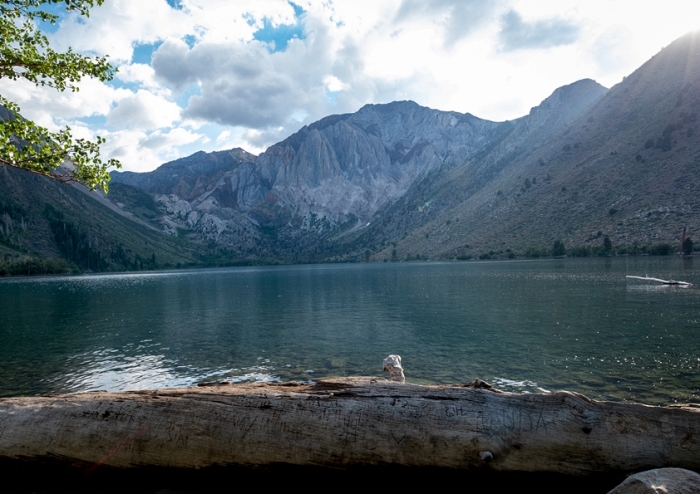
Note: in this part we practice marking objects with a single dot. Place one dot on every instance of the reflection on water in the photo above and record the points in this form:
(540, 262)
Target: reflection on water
(530, 326)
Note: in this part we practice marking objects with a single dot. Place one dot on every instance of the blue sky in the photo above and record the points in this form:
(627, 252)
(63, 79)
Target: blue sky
(214, 74)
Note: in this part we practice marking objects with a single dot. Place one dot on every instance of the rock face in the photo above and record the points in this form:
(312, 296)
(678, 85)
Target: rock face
(660, 481)
(352, 165)
(399, 181)
(342, 169)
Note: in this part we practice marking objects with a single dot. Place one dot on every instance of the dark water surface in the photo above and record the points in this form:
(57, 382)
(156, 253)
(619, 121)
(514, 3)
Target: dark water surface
(532, 326)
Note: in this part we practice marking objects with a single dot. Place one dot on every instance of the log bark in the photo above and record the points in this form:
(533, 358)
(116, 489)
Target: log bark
(350, 422)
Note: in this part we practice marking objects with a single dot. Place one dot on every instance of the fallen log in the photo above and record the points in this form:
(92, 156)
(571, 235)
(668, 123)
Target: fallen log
(346, 422)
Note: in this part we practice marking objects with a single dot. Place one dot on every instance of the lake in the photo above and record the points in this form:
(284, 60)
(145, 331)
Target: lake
(526, 326)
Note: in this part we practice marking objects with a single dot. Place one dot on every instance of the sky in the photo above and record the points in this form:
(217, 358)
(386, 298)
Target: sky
(218, 74)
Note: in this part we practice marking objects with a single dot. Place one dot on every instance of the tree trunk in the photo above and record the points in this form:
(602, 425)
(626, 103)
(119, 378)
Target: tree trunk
(350, 422)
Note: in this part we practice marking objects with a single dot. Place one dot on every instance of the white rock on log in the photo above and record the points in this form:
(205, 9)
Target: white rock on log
(392, 365)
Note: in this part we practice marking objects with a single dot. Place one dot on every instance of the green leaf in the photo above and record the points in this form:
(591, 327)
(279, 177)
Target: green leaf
(25, 54)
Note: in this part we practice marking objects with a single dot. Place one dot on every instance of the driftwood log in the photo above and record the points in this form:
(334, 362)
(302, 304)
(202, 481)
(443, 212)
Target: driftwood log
(348, 422)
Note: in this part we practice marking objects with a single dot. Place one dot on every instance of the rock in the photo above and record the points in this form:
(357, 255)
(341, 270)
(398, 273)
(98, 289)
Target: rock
(660, 480)
(392, 365)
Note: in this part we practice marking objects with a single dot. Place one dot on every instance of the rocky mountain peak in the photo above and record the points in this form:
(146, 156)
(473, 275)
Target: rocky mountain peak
(565, 103)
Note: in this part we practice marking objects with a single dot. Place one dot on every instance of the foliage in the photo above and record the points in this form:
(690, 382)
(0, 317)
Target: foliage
(558, 249)
(535, 252)
(607, 244)
(665, 142)
(33, 265)
(582, 251)
(660, 250)
(73, 243)
(25, 53)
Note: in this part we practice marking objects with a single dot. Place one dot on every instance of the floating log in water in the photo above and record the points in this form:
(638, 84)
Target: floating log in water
(665, 282)
(350, 422)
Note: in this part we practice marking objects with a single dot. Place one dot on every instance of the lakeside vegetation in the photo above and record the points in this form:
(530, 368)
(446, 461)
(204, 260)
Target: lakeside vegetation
(606, 249)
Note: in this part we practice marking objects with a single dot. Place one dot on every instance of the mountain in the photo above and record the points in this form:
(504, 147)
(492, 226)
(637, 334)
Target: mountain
(47, 226)
(626, 167)
(334, 176)
(349, 166)
(399, 181)
(188, 177)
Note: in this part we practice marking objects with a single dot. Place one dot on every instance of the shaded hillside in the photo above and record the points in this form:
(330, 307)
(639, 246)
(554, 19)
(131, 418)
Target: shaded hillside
(439, 193)
(43, 218)
(628, 168)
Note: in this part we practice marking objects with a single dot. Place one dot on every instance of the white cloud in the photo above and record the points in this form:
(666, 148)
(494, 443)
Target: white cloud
(333, 84)
(516, 33)
(238, 137)
(55, 110)
(209, 79)
(142, 75)
(117, 25)
(144, 110)
(173, 138)
(141, 151)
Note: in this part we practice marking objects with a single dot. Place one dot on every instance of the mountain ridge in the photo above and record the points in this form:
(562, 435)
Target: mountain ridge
(399, 181)
(345, 168)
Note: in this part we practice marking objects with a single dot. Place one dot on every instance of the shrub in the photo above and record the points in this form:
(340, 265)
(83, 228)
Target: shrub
(607, 244)
(558, 249)
(34, 265)
(580, 251)
(660, 250)
(533, 252)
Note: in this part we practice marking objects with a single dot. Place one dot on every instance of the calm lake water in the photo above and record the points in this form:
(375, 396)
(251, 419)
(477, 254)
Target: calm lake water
(529, 326)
